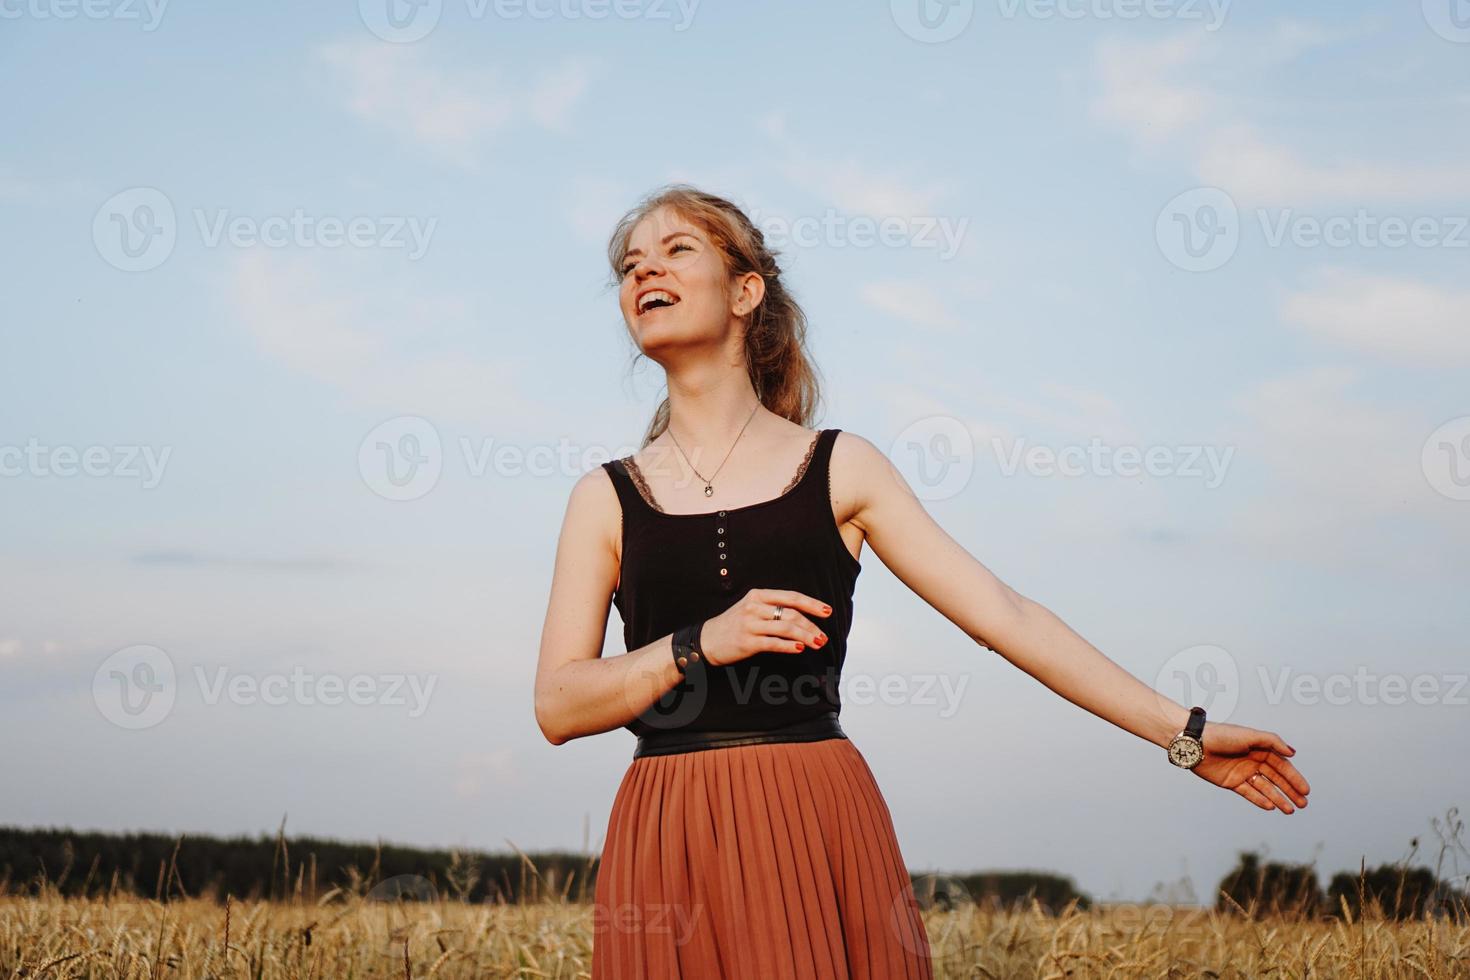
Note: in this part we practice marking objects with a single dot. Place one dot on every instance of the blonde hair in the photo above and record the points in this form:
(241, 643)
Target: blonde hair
(781, 371)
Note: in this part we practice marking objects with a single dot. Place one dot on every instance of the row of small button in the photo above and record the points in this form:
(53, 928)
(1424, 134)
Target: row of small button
(724, 555)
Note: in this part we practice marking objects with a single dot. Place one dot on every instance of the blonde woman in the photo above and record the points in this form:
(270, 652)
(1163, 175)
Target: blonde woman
(748, 837)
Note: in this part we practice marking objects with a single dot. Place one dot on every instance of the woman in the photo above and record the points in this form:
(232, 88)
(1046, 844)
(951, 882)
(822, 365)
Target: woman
(748, 837)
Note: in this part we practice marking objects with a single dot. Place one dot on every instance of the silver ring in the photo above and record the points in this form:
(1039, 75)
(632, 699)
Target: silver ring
(777, 613)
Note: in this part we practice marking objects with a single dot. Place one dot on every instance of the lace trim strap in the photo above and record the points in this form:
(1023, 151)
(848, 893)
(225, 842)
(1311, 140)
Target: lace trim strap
(805, 462)
(640, 483)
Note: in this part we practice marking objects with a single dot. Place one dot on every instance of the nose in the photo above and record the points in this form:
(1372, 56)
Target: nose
(647, 266)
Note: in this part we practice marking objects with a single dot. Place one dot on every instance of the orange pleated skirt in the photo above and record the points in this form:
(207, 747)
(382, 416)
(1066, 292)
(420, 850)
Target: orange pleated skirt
(775, 861)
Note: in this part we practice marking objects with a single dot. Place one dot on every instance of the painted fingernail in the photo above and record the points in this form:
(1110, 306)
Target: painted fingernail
(820, 640)
(800, 646)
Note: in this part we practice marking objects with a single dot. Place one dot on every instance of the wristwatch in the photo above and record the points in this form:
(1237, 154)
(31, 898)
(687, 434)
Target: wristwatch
(1187, 750)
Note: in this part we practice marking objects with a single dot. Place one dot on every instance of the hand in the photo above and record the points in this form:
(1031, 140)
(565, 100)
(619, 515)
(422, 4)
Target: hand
(746, 628)
(1255, 765)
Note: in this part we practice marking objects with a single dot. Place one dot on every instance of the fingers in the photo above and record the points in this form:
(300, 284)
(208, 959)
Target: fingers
(1277, 744)
(795, 629)
(1286, 775)
(793, 600)
(1261, 782)
(1254, 795)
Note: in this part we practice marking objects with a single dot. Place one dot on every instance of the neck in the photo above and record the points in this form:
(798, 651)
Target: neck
(708, 408)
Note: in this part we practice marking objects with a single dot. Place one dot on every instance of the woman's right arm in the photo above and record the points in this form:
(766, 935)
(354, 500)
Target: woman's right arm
(579, 691)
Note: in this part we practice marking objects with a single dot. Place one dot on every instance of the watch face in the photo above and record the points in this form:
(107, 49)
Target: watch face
(1185, 752)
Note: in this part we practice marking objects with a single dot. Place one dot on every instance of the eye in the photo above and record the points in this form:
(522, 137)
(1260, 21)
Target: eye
(628, 266)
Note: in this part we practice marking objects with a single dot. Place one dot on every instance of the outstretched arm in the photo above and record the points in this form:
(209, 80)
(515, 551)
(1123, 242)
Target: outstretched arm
(915, 548)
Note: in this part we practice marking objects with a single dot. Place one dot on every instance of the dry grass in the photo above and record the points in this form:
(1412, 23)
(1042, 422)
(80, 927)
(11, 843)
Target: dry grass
(195, 939)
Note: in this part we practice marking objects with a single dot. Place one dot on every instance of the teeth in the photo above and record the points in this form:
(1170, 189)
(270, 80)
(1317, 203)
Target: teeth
(657, 294)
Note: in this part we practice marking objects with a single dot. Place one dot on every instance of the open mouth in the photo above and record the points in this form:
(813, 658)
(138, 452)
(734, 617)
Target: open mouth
(655, 299)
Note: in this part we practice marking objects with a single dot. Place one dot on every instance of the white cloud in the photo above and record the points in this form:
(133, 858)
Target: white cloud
(1140, 92)
(858, 189)
(1188, 94)
(454, 113)
(911, 301)
(1334, 466)
(16, 189)
(344, 335)
(1401, 317)
(1240, 160)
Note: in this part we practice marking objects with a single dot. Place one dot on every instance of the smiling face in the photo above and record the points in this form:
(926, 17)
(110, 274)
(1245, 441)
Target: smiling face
(675, 286)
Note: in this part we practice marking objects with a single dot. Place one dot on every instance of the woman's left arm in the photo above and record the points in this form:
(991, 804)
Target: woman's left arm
(1252, 763)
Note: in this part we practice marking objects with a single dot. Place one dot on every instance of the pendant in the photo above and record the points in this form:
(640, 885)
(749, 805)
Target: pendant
(709, 491)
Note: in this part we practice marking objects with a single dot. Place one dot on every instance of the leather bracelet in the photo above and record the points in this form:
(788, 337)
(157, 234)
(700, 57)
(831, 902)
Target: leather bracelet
(686, 646)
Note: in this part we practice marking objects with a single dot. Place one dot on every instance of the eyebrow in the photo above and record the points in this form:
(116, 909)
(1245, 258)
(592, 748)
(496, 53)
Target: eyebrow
(662, 241)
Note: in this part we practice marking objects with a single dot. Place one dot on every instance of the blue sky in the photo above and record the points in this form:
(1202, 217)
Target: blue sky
(248, 248)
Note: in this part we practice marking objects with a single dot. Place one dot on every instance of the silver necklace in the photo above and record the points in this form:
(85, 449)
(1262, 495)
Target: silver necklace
(709, 488)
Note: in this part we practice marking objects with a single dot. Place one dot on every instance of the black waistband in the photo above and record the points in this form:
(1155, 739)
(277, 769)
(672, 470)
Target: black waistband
(675, 740)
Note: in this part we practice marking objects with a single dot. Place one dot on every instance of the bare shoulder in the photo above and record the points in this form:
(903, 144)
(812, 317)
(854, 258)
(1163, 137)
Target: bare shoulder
(859, 470)
(856, 457)
(594, 511)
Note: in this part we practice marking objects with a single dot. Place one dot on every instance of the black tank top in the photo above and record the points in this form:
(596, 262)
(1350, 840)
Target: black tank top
(680, 568)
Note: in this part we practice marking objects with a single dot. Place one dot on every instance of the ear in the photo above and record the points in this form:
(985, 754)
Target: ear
(748, 292)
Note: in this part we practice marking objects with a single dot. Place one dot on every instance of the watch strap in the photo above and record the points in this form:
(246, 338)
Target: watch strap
(1195, 728)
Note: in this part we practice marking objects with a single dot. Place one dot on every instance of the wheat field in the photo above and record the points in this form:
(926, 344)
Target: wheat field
(125, 938)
